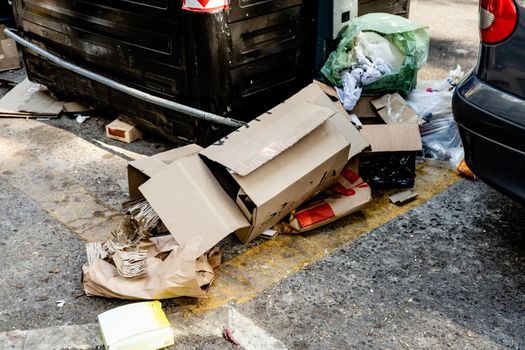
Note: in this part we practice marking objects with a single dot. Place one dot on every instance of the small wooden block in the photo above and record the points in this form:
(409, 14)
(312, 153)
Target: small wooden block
(122, 131)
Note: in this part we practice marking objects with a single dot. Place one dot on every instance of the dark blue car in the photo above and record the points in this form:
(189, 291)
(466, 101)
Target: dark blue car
(489, 104)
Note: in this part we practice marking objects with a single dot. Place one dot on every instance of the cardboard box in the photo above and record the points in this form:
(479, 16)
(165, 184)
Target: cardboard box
(122, 131)
(251, 179)
(141, 170)
(9, 58)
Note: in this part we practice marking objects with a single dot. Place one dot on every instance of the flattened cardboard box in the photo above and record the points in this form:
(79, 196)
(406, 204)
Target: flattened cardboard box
(251, 179)
(141, 170)
(29, 99)
(9, 58)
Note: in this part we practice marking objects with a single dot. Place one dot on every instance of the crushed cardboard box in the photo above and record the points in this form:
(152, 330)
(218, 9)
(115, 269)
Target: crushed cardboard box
(9, 58)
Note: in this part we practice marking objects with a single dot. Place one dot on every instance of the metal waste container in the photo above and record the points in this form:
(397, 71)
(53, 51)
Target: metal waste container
(235, 62)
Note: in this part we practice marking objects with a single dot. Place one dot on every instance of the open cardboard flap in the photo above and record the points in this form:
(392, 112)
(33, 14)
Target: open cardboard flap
(317, 93)
(392, 137)
(192, 204)
(266, 137)
(141, 170)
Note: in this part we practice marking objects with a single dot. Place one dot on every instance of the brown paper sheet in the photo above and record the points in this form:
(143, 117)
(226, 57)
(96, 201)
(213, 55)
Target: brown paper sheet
(179, 274)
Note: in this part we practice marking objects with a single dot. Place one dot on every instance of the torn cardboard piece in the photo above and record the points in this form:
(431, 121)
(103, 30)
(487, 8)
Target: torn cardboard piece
(348, 195)
(403, 197)
(9, 57)
(171, 271)
(76, 107)
(122, 131)
(29, 100)
(141, 170)
(393, 109)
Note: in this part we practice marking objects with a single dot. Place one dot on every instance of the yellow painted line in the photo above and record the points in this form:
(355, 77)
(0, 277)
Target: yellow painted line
(68, 202)
(245, 276)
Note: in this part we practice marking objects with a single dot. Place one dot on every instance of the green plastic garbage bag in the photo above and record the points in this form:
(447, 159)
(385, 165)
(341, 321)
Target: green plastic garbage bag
(410, 38)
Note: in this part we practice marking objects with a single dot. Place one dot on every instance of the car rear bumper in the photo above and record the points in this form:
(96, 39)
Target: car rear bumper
(494, 143)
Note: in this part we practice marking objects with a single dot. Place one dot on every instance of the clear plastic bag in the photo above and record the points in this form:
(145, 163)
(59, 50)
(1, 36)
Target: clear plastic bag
(439, 132)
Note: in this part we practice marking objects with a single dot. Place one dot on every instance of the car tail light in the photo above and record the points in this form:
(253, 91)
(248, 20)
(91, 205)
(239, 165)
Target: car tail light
(497, 20)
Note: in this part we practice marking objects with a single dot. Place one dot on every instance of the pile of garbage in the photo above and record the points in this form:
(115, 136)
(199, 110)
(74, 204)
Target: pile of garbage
(313, 159)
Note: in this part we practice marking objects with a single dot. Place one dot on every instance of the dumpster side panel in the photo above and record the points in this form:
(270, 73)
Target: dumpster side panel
(237, 63)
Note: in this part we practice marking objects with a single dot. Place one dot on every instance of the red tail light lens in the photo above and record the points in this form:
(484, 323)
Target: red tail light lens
(497, 20)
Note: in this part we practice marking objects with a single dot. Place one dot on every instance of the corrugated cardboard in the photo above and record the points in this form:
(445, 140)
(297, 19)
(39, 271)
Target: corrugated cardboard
(392, 137)
(288, 154)
(29, 99)
(192, 204)
(9, 58)
(122, 131)
(389, 105)
(141, 170)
